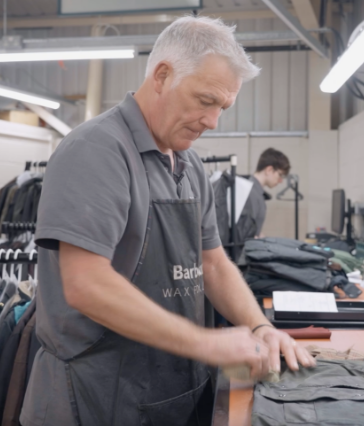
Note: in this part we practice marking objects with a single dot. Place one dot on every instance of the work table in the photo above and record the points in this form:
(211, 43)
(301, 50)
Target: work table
(234, 402)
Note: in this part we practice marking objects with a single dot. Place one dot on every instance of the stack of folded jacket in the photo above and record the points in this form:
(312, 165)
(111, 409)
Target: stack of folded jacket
(276, 264)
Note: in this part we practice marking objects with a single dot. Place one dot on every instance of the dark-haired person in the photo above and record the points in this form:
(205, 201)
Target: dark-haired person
(273, 166)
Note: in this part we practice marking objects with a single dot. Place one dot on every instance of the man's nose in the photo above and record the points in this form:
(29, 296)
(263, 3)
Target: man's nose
(211, 119)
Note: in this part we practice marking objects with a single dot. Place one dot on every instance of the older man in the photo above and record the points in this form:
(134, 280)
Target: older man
(129, 246)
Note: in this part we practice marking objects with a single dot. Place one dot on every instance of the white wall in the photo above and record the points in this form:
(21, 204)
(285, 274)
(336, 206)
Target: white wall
(323, 177)
(351, 164)
(351, 154)
(20, 143)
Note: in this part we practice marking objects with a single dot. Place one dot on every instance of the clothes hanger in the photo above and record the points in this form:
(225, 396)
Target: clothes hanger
(7, 276)
(2, 274)
(292, 183)
(33, 281)
(17, 279)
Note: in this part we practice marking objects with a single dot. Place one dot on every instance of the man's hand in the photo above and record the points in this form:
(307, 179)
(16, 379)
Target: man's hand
(280, 342)
(235, 346)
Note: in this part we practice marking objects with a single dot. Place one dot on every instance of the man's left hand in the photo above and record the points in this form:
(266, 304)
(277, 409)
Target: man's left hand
(280, 342)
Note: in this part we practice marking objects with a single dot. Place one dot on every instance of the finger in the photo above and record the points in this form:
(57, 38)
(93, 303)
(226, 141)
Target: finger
(288, 348)
(262, 352)
(304, 357)
(256, 366)
(274, 354)
(254, 356)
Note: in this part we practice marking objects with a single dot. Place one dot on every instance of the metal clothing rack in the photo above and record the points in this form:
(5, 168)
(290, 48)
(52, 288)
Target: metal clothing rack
(233, 160)
(30, 164)
(16, 227)
(11, 256)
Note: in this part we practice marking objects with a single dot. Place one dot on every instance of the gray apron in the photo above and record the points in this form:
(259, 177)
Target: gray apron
(119, 382)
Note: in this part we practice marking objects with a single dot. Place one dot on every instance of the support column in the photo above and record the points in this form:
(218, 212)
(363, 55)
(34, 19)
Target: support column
(319, 103)
(94, 86)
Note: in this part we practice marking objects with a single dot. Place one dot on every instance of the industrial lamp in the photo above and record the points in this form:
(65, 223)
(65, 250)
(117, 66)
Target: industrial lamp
(348, 63)
(15, 49)
(21, 95)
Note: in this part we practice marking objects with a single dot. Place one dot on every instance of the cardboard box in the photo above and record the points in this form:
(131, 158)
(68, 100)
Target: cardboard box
(22, 117)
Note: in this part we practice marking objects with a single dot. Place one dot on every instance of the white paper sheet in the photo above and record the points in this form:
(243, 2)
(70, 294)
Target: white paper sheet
(301, 301)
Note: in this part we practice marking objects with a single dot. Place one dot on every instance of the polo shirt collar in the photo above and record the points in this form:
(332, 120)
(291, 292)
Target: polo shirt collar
(142, 136)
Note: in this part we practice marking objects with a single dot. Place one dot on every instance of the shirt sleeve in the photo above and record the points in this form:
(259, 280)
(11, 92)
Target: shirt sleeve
(85, 198)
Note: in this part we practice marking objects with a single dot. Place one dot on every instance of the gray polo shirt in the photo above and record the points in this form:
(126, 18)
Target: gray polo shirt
(95, 196)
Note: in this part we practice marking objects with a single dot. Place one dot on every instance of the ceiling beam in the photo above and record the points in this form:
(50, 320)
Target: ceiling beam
(80, 21)
(49, 118)
(294, 24)
(306, 13)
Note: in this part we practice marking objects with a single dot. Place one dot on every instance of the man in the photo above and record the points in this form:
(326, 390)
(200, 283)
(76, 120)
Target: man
(273, 166)
(130, 245)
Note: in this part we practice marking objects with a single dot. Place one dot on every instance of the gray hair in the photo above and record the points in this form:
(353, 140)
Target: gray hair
(186, 41)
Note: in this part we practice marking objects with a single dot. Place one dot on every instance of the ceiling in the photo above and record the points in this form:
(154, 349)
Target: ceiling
(46, 8)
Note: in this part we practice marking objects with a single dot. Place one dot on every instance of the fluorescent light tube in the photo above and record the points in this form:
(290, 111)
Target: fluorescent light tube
(66, 55)
(345, 67)
(19, 95)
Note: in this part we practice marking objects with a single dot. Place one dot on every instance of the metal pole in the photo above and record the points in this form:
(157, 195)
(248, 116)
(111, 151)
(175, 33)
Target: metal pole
(233, 162)
(94, 85)
(5, 13)
(296, 211)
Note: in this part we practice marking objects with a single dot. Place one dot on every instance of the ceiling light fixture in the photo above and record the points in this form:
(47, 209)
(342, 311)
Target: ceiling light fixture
(20, 95)
(16, 49)
(66, 55)
(347, 64)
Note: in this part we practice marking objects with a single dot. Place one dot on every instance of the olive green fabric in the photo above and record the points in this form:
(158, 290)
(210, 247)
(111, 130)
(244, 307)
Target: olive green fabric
(330, 394)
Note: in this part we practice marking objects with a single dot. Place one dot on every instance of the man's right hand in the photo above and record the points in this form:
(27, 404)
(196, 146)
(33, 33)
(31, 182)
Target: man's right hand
(235, 346)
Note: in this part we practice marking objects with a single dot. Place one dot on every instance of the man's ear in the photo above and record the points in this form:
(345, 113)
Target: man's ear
(161, 73)
(269, 170)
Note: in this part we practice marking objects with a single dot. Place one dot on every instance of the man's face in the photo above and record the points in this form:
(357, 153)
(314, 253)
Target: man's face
(274, 177)
(184, 112)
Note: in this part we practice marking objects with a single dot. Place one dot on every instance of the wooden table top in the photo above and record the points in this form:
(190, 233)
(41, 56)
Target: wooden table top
(241, 399)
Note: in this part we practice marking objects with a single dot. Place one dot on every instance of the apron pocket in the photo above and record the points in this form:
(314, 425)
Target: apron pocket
(193, 408)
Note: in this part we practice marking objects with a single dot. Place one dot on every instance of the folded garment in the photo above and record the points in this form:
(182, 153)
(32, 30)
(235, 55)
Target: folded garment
(309, 333)
(333, 354)
(329, 394)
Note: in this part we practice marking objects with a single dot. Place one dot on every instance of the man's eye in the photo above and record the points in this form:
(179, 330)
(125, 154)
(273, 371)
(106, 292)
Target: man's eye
(204, 103)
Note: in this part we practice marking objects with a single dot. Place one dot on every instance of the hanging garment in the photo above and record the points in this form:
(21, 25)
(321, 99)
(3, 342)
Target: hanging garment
(7, 294)
(6, 328)
(222, 216)
(24, 198)
(33, 349)
(8, 202)
(9, 354)
(17, 385)
(4, 194)
(330, 394)
(152, 387)
(23, 293)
